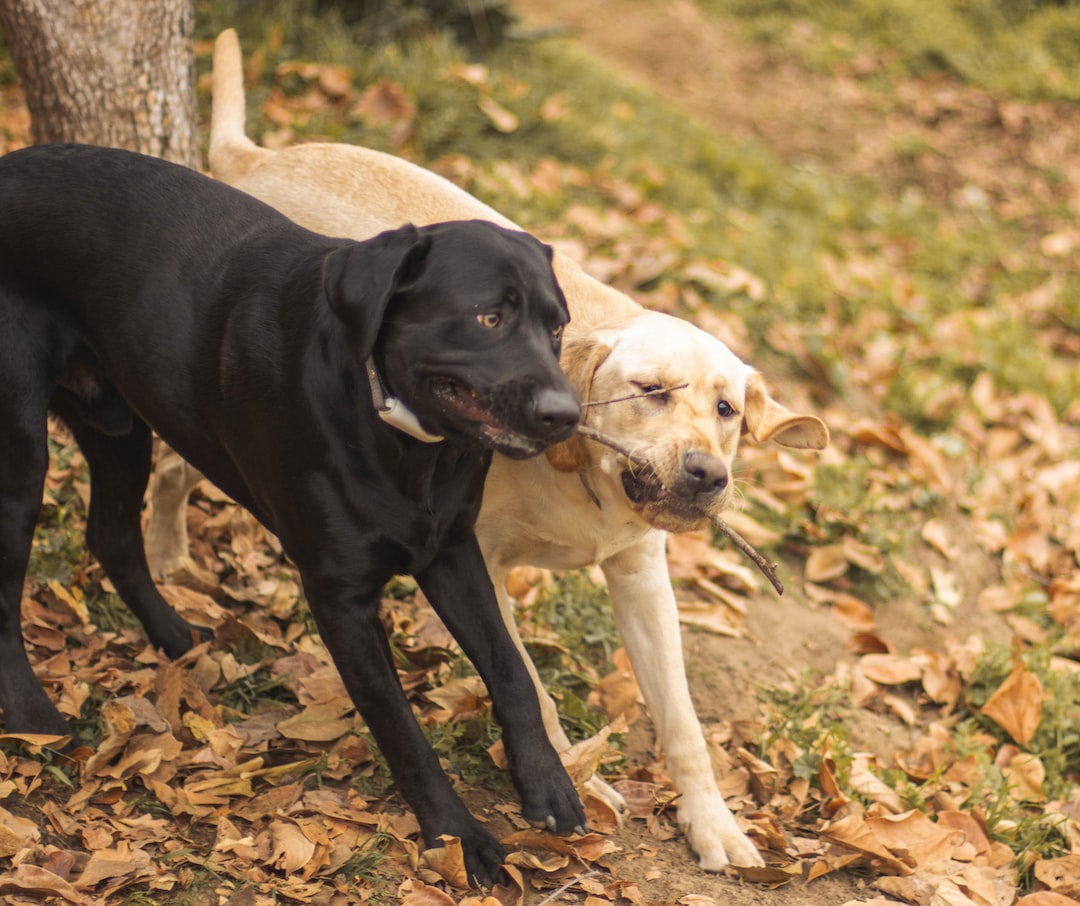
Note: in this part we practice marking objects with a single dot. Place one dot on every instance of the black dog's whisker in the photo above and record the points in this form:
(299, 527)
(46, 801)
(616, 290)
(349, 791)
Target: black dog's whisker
(635, 396)
(767, 568)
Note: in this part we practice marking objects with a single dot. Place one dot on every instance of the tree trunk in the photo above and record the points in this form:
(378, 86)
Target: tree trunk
(107, 72)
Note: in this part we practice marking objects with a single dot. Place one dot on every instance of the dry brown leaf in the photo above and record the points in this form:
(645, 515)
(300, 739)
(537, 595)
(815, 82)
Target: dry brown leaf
(1016, 705)
(619, 695)
(865, 782)
(974, 832)
(1061, 875)
(16, 833)
(771, 876)
(501, 118)
(826, 563)
(939, 679)
(73, 598)
(714, 618)
(865, 556)
(936, 534)
(587, 847)
(641, 797)
(122, 862)
(857, 833)
(582, 759)
(889, 669)
(915, 837)
(384, 104)
(600, 814)
(415, 892)
(291, 850)
(902, 708)
(852, 612)
(318, 723)
(1046, 898)
(548, 863)
(884, 434)
(335, 81)
(510, 892)
(474, 74)
(448, 861)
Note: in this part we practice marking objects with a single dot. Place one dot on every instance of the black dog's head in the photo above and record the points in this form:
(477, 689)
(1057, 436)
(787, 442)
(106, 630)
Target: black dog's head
(465, 322)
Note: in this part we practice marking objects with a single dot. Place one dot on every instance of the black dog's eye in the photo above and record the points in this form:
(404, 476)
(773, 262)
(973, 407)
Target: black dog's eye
(489, 319)
(725, 409)
(558, 332)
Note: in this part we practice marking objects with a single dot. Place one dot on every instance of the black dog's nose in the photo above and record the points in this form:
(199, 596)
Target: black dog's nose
(555, 413)
(704, 474)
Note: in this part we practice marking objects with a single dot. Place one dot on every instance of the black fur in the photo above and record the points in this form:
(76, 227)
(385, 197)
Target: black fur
(138, 295)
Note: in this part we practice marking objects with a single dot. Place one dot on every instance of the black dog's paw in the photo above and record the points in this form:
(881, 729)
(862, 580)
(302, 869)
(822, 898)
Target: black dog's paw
(484, 859)
(555, 804)
(177, 636)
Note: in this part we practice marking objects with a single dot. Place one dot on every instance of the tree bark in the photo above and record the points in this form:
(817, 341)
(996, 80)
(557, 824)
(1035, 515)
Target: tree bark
(107, 72)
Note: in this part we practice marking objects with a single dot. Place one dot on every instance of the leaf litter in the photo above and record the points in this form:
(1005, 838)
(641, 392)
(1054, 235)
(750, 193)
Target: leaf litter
(243, 761)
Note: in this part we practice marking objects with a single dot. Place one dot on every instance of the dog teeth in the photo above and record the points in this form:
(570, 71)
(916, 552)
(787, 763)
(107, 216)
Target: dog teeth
(549, 822)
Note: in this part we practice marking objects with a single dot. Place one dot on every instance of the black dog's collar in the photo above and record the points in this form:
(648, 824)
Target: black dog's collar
(392, 410)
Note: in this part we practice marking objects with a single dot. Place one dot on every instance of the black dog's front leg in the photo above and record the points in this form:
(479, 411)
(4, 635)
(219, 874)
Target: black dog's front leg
(354, 636)
(458, 587)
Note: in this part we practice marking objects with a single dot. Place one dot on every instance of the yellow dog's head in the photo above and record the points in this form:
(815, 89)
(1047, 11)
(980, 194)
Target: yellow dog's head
(682, 441)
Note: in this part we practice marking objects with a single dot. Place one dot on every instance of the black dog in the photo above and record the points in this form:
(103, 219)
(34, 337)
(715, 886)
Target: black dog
(136, 294)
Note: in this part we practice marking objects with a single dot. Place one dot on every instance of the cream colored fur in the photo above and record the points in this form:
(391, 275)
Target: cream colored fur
(568, 509)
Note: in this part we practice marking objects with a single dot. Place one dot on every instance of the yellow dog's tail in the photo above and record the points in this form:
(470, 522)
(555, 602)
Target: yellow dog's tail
(231, 152)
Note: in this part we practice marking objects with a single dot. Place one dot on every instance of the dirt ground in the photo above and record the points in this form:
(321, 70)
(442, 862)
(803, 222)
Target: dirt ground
(762, 96)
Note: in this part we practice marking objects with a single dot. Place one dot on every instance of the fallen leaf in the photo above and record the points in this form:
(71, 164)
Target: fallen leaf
(317, 723)
(826, 563)
(30, 879)
(1061, 875)
(889, 669)
(1016, 705)
(501, 118)
(121, 862)
(384, 104)
(16, 833)
(582, 759)
(291, 850)
(1046, 898)
(335, 81)
(415, 892)
(448, 861)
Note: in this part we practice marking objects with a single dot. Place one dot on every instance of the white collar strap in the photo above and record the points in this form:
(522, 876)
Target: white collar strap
(392, 410)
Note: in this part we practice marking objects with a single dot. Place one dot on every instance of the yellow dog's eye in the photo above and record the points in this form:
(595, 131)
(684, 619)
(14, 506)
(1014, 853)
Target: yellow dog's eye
(725, 409)
(489, 319)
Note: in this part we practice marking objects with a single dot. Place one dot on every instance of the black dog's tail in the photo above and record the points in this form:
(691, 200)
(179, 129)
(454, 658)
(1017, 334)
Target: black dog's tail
(231, 152)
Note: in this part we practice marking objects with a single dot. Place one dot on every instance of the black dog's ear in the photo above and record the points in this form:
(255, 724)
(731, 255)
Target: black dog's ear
(360, 279)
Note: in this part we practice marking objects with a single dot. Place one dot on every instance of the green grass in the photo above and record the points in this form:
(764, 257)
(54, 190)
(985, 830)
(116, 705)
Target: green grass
(1029, 48)
(810, 715)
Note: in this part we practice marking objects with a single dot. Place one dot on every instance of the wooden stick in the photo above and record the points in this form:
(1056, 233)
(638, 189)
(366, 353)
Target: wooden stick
(767, 568)
(635, 396)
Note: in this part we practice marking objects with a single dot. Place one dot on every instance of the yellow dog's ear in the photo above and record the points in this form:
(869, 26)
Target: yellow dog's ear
(765, 419)
(580, 359)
